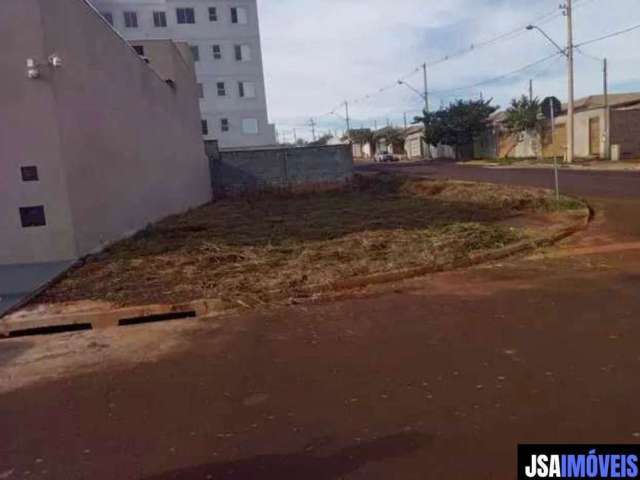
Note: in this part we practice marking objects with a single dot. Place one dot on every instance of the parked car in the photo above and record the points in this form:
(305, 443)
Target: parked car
(384, 157)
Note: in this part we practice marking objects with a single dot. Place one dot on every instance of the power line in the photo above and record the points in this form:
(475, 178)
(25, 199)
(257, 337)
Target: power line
(610, 35)
(506, 36)
(501, 77)
(510, 35)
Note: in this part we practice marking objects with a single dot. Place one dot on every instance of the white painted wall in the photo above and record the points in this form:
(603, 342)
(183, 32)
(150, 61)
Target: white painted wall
(204, 34)
(581, 122)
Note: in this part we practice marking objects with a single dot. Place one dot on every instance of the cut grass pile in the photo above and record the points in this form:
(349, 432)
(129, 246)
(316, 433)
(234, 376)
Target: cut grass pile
(245, 249)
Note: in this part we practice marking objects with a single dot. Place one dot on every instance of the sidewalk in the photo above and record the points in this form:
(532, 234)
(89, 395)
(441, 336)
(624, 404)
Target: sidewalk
(19, 281)
(592, 165)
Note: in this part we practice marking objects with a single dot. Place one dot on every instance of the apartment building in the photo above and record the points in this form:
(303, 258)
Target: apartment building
(225, 41)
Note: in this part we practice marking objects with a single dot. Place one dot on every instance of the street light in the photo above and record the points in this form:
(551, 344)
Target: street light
(413, 89)
(424, 96)
(555, 44)
(567, 52)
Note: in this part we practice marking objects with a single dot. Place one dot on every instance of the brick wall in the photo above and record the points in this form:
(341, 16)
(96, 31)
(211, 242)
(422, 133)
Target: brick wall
(288, 168)
(625, 131)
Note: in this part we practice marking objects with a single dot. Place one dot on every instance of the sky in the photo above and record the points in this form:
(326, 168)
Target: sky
(319, 53)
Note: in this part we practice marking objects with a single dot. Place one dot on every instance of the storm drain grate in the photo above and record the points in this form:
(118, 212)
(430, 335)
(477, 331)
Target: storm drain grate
(50, 330)
(163, 317)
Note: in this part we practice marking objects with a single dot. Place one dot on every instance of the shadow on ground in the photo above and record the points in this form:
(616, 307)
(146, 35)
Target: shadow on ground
(307, 466)
(11, 350)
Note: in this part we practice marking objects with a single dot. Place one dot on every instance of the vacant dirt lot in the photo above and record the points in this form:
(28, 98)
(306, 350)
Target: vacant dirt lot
(245, 250)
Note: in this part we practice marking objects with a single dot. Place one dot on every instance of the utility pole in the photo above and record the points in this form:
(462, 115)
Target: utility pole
(375, 125)
(405, 120)
(607, 112)
(426, 88)
(312, 124)
(531, 90)
(571, 135)
(426, 102)
(295, 136)
(346, 107)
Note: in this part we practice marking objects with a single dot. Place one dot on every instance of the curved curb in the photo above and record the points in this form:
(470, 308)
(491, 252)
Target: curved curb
(543, 240)
(210, 308)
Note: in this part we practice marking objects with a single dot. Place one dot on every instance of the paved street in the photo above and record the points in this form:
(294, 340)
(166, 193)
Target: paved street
(439, 377)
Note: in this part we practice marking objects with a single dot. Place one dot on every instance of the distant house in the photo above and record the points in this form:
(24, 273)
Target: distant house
(416, 148)
(389, 140)
(362, 149)
(590, 132)
(590, 135)
(414, 144)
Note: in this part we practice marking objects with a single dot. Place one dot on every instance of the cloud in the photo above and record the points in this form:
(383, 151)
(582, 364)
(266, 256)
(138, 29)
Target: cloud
(319, 53)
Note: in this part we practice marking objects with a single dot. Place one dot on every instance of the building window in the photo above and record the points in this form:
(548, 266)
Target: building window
(159, 19)
(32, 216)
(195, 53)
(29, 174)
(246, 90)
(217, 52)
(139, 50)
(242, 53)
(205, 127)
(250, 126)
(239, 15)
(185, 15)
(108, 16)
(213, 14)
(200, 90)
(130, 19)
(222, 91)
(224, 124)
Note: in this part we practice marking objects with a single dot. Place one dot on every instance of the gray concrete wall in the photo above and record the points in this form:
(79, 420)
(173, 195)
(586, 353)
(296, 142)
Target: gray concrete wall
(29, 136)
(116, 147)
(297, 168)
(131, 144)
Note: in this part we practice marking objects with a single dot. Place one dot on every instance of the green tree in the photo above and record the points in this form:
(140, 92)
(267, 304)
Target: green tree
(458, 124)
(523, 116)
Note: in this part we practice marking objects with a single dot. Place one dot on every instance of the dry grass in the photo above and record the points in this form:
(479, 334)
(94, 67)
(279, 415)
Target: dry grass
(243, 249)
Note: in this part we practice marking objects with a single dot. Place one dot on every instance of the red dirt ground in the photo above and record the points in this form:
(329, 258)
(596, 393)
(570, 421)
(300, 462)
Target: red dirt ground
(440, 377)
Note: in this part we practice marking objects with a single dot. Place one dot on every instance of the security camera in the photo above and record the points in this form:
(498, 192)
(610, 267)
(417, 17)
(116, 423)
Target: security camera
(55, 61)
(33, 71)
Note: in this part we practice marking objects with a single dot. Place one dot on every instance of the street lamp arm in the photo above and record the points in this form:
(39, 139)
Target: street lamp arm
(402, 82)
(563, 51)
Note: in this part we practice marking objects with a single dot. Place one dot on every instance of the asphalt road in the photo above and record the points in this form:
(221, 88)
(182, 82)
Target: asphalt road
(587, 183)
(440, 377)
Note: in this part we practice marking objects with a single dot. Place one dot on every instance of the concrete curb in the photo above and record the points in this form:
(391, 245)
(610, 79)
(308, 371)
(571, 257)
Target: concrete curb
(618, 168)
(544, 240)
(15, 325)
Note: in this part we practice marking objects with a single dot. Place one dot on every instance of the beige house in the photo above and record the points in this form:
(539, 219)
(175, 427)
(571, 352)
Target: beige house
(591, 136)
(95, 143)
(590, 128)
